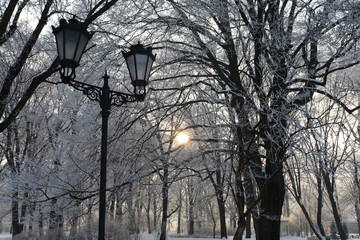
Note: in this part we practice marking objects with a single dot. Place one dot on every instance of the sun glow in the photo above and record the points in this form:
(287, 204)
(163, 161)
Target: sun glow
(182, 138)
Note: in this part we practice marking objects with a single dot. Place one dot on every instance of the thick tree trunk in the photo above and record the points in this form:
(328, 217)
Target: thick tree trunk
(271, 206)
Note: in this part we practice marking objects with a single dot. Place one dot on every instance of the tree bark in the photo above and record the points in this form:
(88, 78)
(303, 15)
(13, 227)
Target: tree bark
(334, 207)
(12, 156)
(131, 209)
(219, 193)
(154, 211)
(15, 221)
(248, 226)
(165, 203)
(320, 203)
(191, 197)
(271, 206)
(222, 212)
(179, 213)
(148, 219)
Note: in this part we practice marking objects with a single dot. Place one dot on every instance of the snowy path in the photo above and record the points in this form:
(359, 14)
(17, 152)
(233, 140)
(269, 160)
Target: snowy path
(5, 236)
(230, 238)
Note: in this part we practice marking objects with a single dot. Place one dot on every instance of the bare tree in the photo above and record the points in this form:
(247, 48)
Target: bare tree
(269, 57)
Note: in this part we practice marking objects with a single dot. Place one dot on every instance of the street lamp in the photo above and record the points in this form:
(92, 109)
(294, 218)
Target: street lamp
(71, 40)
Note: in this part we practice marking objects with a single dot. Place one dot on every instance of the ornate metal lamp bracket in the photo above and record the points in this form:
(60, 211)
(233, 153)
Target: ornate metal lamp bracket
(94, 93)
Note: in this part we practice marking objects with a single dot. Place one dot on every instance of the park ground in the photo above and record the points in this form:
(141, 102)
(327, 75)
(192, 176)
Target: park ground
(145, 236)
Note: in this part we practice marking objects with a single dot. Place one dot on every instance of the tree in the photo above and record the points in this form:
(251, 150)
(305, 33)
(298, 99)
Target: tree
(269, 58)
(321, 157)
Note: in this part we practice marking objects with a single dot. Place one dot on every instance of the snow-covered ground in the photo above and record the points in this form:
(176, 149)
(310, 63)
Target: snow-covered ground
(230, 238)
(5, 236)
(145, 236)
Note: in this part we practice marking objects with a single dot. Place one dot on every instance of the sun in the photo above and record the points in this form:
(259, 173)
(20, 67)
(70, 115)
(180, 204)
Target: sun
(182, 138)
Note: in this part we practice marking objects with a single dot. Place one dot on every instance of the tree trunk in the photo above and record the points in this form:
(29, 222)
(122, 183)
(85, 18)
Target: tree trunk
(53, 216)
(154, 211)
(31, 214)
(139, 217)
(250, 198)
(131, 209)
(191, 197)
(221, 204)
(16, 226)
(24, 207)
(74, 221)
(334, 207)
(179, 213)
(148, 221)
(271, 206)
(12, 156)
(191, 220)
(211, 212)
(165, 202)
(219, 192)
(41, 224)
(320, 203)
(119, 212)
(357, 193)
(248, 226)
(357, 210)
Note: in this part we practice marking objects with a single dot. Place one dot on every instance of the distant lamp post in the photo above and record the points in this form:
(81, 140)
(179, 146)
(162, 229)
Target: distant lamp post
(71, 40)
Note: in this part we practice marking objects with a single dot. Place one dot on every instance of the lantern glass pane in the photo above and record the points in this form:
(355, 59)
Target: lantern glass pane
(81, 48)
(71, 41)
(141, 60)
(60, 44)
(148, 69)
(130, 61)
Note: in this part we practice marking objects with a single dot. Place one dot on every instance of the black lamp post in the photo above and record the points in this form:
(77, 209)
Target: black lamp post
(71, 39)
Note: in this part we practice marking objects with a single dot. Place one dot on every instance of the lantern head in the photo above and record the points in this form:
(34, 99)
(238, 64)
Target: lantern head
(71, 40)
(139, 61)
